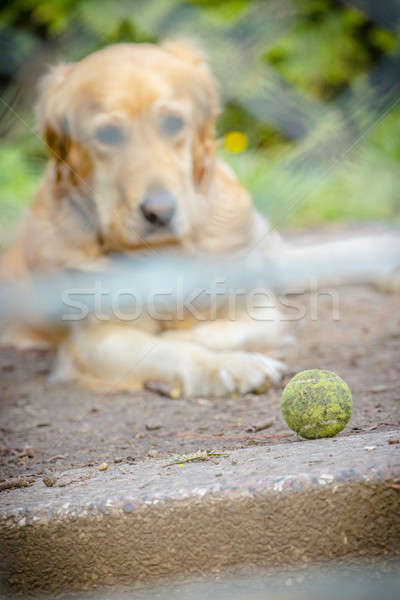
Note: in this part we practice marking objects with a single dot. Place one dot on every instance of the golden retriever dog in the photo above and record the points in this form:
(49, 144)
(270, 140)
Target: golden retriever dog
(132, 167)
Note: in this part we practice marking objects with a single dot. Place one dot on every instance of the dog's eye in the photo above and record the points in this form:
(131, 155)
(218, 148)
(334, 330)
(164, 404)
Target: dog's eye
(171, 125)
(112, 135)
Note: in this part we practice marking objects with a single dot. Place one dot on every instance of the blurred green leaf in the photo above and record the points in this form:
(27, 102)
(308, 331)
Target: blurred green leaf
(321, 59)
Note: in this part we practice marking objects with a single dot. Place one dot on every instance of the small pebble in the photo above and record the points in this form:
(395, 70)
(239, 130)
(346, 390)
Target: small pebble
(260, 426)
(204, 402)
(218, 474)
(103, 467)
(369, 447)
(152, 426)
(8, 367)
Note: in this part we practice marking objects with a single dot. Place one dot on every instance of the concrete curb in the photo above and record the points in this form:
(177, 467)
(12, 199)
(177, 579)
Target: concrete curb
(290, 504)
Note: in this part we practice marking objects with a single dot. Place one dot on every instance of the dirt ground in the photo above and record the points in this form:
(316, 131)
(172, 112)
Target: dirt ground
(46, 429)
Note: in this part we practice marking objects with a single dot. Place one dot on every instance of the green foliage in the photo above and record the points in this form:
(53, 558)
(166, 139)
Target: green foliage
(21, 165)
(223, 12)
(323, 52)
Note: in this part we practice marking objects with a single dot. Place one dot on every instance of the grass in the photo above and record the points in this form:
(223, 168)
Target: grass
(363, 185)
(21, 165)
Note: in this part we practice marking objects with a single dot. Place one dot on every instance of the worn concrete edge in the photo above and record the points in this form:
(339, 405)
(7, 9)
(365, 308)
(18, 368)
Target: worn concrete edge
(274, 507)
(251, 471)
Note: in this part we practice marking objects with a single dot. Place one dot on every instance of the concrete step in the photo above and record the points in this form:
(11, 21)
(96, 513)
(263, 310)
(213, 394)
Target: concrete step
(285, 505)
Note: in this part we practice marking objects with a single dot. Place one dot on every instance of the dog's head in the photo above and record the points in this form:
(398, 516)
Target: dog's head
(132, 126)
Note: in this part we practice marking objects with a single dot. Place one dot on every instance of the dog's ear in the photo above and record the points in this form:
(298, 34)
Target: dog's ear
(54, 114)
(51, 120)
(203, 152)
(187, 50)
(204, 92)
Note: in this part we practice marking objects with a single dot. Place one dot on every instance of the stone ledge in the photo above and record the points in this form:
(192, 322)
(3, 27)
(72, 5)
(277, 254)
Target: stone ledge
(274, 507)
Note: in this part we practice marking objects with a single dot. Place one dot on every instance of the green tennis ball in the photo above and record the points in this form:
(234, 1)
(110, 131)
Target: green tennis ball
(316, 404)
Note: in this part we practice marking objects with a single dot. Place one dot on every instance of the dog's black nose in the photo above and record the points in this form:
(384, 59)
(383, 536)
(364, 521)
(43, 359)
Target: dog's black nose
(158, 207)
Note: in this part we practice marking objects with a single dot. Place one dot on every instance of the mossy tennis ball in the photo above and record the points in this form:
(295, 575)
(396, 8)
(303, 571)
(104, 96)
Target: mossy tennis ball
(316, 404)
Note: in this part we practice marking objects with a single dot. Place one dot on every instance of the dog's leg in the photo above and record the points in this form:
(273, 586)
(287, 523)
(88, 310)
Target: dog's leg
(25, 337)
(255, 324)
(119, 358)
(373, 260)
(242, 334)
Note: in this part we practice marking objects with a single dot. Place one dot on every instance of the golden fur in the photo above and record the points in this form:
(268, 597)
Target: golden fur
(88, 206)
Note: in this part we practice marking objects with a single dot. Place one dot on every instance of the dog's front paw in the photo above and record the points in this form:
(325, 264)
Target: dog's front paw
(230, 373)
(249, 372)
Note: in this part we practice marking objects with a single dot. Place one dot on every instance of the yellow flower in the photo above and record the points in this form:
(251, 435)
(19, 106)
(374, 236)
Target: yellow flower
(235, 141)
